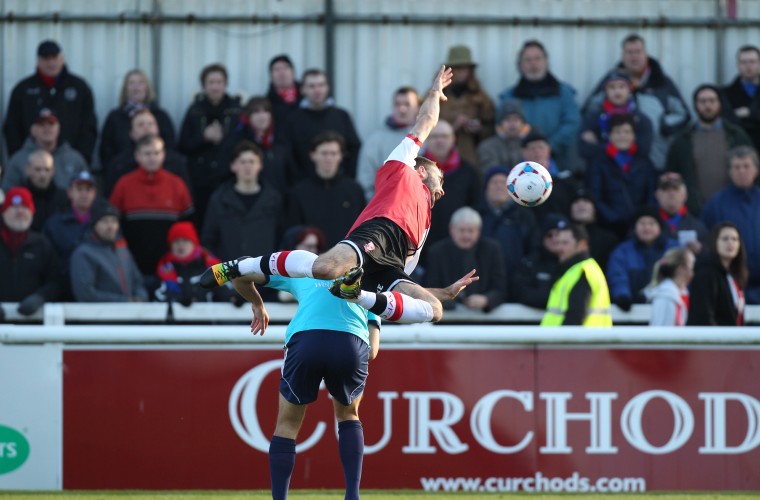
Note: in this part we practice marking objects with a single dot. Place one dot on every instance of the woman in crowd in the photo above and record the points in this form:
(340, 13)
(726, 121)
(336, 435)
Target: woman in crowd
(717, 292)
(668, 292)
(136, 94)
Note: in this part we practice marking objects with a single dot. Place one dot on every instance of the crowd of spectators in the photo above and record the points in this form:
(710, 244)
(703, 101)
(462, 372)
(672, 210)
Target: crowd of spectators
(159, 204)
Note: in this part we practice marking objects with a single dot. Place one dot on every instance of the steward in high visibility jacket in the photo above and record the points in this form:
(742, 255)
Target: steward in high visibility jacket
(580, 295)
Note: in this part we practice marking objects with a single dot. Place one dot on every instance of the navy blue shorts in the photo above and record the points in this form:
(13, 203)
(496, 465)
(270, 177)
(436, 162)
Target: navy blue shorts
(313, 355)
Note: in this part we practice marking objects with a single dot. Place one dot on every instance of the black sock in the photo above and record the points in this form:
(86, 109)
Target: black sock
(381, 302)
(282, 459)
(351, 446)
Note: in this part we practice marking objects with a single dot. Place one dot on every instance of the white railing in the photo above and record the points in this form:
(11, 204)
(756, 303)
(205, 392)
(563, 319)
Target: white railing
(156, 312)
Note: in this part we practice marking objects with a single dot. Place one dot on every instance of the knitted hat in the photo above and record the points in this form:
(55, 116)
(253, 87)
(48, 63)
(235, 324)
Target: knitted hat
(510, 107)
(648, 212)
(46, 115)
(182, 230)
(83, 177)
(102, 209)
(533, 135)
(48, 48)
(554, 221)
(18, 196)
(495, 170)
(617, 75)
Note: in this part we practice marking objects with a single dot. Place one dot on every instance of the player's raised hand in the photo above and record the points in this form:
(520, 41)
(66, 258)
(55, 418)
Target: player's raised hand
(260, 318)
(442, 80)
(455, 288)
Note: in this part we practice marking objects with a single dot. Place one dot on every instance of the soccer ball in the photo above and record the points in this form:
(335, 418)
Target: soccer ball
(529, 184)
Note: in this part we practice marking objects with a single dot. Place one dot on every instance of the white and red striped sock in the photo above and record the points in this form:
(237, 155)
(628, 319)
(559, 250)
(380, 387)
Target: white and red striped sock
(292, 263)
(395, 306)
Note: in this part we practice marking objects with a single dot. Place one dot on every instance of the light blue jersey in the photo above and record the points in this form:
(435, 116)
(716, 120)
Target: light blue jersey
(318, 309)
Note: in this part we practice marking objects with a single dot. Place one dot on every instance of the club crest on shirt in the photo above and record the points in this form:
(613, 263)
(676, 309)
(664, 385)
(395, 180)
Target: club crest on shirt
(368, 247)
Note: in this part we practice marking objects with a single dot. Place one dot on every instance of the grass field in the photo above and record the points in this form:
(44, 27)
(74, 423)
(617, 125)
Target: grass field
(371, 495)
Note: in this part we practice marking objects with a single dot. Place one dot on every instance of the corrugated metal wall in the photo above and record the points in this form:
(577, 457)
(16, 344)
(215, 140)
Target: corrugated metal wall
(372, 57)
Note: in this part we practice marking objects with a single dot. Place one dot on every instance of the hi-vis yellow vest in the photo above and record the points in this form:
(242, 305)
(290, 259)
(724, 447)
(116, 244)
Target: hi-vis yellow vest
(599, 306)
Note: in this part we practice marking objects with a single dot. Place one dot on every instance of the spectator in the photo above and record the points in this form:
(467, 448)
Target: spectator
(459, 176)
(257, 126)
(656, 95)
(699, 152)
(681, 225)
(52, 87)
(618, 99)
(28, 263)
(742, 96)
(631, 263)
(374, 151)
(327, 199)
(601, 241)
(622, 180)
(102, 268)
(549, 104)
(308, 238)
(504, 148)
(243, 203)
(212, 115)
(180, 268)
(48, 198)
(142, 123)
(532, 281)
(668, 291)
(136, 94)
(512, 226)
(150, 200)
(579, 296)
(463, 251)
(536, 147)
(66, 229)
(468, 108)
(740, 203)
(284, 91)
(717, 297)
(44, 134)
(317, 113)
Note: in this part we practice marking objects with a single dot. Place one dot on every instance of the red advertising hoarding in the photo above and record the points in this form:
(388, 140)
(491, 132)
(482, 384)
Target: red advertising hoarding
(484, 419)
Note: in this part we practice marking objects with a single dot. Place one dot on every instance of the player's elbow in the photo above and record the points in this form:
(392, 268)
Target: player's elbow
(437, 312)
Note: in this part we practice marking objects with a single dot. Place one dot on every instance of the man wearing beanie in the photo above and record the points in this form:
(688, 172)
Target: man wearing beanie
(512, 225)
(28, 263)
(102, 268)
(180, 268)
(631, 263)
(505, 148)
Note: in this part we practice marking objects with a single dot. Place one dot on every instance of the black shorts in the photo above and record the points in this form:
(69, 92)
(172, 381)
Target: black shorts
(338, 358)
(382, 248)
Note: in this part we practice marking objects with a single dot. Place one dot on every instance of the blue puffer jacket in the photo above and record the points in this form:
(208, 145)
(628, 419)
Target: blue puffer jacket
(742, 207)
(629, 269)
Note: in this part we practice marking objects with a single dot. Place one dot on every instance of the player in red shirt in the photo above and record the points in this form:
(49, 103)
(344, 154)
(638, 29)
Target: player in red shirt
(385, 241)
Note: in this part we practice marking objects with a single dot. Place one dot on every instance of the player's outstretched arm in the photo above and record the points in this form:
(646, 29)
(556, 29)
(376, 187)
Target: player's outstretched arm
(451, 291)
(427, 118)
(247, 289)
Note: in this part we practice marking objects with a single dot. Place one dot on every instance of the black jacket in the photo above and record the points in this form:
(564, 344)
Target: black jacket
(70, 99)
(115, 135)
(711, 302)
(737, 97)
(280, 108)
(203, 157)
(332, 205)
(230, 231)
(34, 269)
(447, 263)
(462, 187)
(532, 281)
(46, 202)
(304, 124)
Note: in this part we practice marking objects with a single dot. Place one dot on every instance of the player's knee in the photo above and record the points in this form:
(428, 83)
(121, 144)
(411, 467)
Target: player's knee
(325, 269)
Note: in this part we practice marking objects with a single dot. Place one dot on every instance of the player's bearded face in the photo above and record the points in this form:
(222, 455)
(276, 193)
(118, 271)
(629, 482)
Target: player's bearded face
(433, 179)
